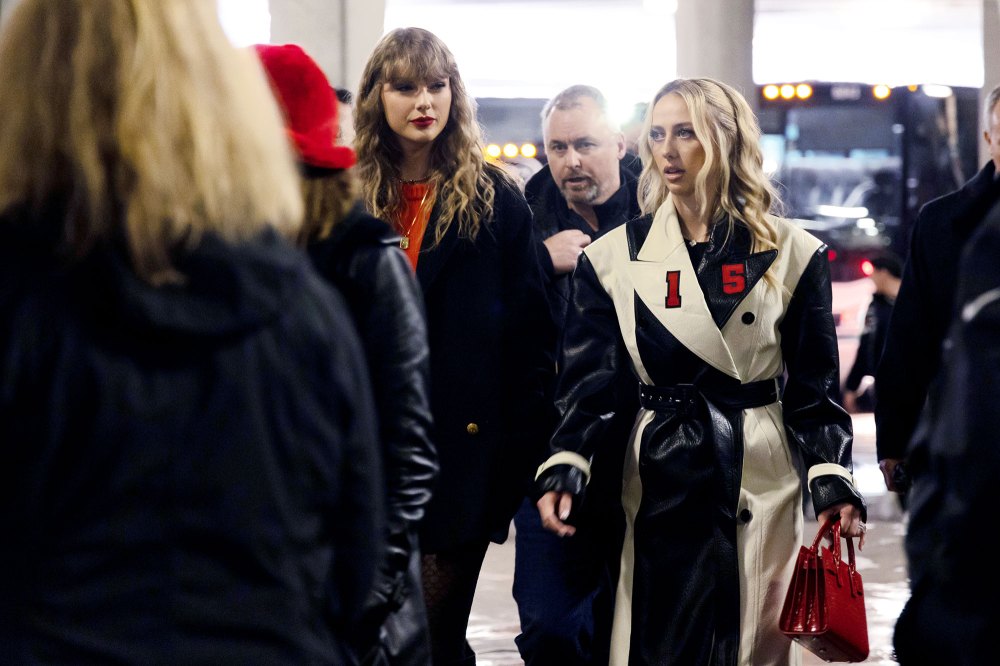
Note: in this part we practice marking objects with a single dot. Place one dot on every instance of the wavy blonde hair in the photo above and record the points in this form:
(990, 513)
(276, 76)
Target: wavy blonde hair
(328, 196)
(460, 173)
(141, 119)
(728, 130)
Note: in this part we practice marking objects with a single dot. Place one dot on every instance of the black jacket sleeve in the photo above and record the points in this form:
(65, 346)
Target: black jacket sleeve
(911, 357)
(588, 394)
(529, 337)
(361, 259)
(813, 420)
(863, 365)
(395, 339)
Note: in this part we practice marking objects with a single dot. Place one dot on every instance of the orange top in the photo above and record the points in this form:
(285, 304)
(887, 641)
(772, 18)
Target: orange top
(413, 216)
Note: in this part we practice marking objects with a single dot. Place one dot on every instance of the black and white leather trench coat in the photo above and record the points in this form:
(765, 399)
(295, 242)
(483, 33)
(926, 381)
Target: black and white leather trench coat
(712, 481)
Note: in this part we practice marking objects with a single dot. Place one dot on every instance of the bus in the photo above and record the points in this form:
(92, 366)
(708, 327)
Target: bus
(855, 162)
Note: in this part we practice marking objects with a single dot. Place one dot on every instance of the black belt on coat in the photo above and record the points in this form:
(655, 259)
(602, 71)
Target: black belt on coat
(684, 396)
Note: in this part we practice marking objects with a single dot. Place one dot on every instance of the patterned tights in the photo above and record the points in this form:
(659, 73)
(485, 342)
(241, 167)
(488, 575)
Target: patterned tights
(449, 580)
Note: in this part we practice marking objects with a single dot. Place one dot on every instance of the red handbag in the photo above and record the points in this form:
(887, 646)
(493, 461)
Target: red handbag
(824, 608)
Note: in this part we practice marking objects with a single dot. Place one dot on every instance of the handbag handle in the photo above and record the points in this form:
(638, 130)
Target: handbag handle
(831, 528)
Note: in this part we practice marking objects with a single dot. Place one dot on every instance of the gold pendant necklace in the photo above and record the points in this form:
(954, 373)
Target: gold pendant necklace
(404, 242)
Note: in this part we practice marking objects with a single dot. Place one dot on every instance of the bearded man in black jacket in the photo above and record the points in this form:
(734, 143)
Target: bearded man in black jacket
(587, 188)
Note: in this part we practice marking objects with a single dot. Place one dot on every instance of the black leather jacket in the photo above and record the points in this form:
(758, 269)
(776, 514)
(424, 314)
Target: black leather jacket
(362, 260)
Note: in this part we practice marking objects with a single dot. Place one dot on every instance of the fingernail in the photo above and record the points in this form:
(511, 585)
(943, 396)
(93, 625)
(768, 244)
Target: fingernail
(564, 514)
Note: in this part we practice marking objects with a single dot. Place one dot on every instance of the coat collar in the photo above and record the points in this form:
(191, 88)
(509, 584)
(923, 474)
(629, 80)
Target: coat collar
(664, 257)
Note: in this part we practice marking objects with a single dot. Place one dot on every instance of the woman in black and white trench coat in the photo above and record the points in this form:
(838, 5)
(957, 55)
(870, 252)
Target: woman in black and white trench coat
(720, 312)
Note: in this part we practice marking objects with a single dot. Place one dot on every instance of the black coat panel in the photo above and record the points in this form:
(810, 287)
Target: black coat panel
(912, 354)
(361, 257)
(952, 614)
(491, 340)
(188, 472)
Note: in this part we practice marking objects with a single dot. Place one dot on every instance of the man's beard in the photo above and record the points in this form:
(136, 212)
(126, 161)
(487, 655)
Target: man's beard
(585, 196)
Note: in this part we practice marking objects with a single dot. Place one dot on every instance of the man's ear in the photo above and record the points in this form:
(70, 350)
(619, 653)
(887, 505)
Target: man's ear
(620, 139)
(986, 137)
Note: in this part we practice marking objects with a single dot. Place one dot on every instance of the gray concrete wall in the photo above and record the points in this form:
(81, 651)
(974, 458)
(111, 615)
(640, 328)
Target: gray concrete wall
(338, 34)
(715, 39)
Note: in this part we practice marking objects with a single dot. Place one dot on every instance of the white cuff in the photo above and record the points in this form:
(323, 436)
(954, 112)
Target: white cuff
(566, 458)
(826, 469)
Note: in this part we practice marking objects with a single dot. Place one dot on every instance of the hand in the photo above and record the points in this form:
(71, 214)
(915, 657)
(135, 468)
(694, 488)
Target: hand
(888, 467)
(565, 248)
(850, 401)
(554, 508)
(850, 521)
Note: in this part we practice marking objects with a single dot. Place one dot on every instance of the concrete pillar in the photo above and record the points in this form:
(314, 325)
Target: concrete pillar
(991, 62)
(5, 6)
(715, 39)
(338, 34)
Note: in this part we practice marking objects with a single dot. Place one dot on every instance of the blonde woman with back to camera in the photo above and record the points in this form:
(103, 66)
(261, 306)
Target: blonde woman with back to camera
(467, 231)
(703, 303)
(188, 441)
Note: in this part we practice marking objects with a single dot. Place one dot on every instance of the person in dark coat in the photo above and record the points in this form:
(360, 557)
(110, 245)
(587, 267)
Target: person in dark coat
(911, 359)
(466, 230)
(562, 590)
(702, 306)
(886, 272)
(189, 469)
(359, 255)
(952, 615)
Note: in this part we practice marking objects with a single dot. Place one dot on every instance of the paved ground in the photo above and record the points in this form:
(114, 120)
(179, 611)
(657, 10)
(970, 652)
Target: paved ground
(494, 617)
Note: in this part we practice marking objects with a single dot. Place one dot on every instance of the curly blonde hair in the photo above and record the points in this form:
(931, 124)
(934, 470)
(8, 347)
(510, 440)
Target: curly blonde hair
(140, 118)
(728, 130)
(459, 171)
(328, 196)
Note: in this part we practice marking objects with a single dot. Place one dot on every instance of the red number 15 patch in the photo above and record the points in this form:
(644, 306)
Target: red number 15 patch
(733, 278)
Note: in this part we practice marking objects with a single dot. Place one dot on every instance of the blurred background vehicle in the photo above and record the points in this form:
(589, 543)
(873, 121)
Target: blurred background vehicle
(855, 162)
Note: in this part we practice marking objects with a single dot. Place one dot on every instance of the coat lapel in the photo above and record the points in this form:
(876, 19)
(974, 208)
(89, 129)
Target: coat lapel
(433, 259)
(663, 269)
(728, 272)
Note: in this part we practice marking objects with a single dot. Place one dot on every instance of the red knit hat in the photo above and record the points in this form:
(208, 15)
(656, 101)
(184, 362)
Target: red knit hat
(309, 103)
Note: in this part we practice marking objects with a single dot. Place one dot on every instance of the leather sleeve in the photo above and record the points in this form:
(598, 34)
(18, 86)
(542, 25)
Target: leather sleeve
(814, 421)
(395, 337)
(589, 389)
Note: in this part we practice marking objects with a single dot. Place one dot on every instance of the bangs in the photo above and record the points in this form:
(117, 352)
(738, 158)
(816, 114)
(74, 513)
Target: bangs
(419, 64)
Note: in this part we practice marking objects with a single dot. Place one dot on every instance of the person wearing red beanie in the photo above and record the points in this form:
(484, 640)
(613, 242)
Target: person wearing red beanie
(358, 254)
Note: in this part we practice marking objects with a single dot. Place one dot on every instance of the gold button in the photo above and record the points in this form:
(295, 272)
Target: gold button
(472, 429)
